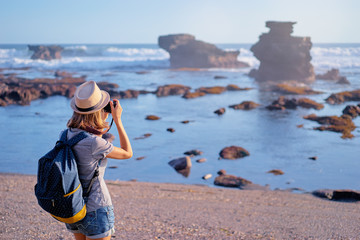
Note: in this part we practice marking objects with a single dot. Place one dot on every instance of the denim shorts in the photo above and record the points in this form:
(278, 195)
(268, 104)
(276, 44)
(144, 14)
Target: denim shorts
(96, 224)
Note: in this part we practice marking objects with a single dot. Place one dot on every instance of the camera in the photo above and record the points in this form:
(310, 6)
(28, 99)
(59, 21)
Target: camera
(107, 108)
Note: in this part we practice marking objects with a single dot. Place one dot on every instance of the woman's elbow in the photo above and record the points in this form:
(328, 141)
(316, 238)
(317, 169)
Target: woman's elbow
(129, 155)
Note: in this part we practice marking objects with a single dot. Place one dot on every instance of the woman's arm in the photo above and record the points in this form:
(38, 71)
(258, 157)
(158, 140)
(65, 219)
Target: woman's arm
(125, 151)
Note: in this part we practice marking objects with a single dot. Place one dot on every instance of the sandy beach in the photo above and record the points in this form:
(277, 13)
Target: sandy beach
(173, 211)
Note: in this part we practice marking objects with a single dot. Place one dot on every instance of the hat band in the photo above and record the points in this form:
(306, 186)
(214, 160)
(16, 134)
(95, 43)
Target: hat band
(88, 109)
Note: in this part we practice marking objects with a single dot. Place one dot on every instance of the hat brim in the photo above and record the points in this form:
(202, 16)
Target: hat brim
(105, 99)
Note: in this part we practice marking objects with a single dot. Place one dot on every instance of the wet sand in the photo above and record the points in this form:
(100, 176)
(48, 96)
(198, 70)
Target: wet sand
(174, 211)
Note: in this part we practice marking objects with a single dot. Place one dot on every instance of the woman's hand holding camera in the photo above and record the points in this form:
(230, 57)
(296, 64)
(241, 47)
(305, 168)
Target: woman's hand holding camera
(116, 110)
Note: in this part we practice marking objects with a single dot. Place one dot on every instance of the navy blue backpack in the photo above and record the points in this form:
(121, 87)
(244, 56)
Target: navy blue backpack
(58, 189)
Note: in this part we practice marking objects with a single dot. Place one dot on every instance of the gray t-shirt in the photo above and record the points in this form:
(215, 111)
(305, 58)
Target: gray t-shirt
(89, 152)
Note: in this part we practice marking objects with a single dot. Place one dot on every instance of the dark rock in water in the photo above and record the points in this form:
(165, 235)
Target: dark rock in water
(185, 122)
(221, 172)
(220, 77)
(313, 158)
(342, 124)
(220, 111)
(207, 176)
(152, 117)
(172, 89)
(338, 195)
(352, 110)
(142, 72)
(231, 181)
(323, 193)
(193, 152)
(276, 172)
(146, 135)
(189, 95)
(106, 86)
(285, 88)
(170, 130)
(201, 160)
(333, 75)
(211, 90)
(182, 165)
(246, 105)
(343, 80)
(234, 152)
(283, 103)
(140, 158)
(233, 87)
(283, 57)
(46, 52)
(62, 74)
(187, 52)
(15, 90)
(346, 195)
(308, 103)
(338, 98)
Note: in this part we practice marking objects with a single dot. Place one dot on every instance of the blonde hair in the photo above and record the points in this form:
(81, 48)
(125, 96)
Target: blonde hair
(94, 120)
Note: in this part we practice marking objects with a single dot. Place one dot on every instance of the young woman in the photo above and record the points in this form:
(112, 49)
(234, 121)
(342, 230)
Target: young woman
(92, 152)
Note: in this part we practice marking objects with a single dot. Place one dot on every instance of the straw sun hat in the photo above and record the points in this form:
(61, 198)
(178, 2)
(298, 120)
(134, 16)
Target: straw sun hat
(88, 98)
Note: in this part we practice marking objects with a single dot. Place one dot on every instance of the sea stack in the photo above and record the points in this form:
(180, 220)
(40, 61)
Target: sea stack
(283, 57)
(187, 52)
(46, 52)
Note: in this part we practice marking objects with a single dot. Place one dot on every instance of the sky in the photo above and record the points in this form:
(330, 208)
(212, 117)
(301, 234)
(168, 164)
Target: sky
(143, 21)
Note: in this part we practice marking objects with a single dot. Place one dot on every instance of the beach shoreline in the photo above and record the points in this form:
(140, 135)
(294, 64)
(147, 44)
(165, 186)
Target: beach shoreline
(174, 211)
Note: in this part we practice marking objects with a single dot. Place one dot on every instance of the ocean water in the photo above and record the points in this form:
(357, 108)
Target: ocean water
(271, 137)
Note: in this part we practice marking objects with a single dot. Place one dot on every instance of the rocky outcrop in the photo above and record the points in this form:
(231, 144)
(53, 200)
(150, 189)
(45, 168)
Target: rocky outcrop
(352, 110)
(276, 172)
(202, 91)
(172, 89)
(212, 90)
(193, 152)
(342, 124)
(181, 165)
(220, 111)
(245, 105)
(46, 52)
(338, 195)
(283, 57)
(187, 52)
(334, 75)
(283, 103)
(152, 117)
(21, 91)
(226, 180)
(338, 98)
(285, 88)
(233, 152)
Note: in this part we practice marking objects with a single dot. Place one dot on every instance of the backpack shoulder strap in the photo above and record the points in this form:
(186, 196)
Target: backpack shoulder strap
(63, 137)
(77, 138)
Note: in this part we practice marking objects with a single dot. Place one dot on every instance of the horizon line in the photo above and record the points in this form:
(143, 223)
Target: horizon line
(154, 43)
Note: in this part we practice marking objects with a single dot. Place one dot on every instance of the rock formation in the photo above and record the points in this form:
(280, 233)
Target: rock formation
(46, 52)
(283, 103)
(186, 52)
(15, 90)
(333, 74)
(338, 98)
(233, 152)
(283, 57)
(342, 124)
